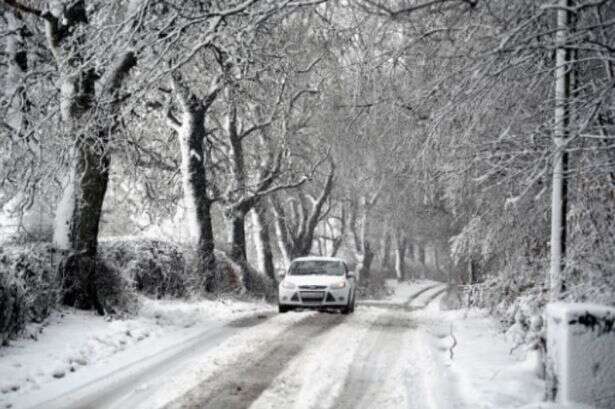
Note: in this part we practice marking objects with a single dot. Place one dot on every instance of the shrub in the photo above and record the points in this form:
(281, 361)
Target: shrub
(151, 267)
(29, 286)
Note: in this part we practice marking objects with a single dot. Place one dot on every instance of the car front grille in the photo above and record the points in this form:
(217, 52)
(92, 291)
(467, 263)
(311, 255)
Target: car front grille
(312, 296)
(312, 287)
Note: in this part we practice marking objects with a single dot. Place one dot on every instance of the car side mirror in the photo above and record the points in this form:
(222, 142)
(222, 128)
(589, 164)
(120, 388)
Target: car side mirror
(350, 274)
(281, 274)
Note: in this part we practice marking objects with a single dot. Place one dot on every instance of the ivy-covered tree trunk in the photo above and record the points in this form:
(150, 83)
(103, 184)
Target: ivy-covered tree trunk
(78, 214)
(197, 204)
(235, 223)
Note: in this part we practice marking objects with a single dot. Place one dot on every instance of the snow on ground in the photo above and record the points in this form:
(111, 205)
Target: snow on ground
(414, 356)
(367, 361)
(243, 346)
(315, 378)
(403, 291)
(402, 352)
(476, 365)
(77, 347)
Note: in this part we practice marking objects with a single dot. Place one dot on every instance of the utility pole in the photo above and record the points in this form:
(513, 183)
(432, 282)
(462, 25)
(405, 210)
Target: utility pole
(559, 205)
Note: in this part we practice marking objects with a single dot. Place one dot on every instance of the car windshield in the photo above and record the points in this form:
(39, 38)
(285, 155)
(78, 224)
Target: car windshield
(317, 267)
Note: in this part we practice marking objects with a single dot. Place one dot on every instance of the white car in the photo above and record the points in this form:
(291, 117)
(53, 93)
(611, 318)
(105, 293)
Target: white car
(319, 283)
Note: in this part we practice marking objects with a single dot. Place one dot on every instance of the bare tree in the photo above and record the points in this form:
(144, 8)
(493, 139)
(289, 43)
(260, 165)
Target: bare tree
(191, 131)
(296, 219)
(87, 97)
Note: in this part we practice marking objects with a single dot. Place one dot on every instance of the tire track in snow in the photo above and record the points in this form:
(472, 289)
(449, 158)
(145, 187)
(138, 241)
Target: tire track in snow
(238, 387)
(373, 364)
(121, 387)
(406, 305)
(384, 373)
(431, 298)
(421, 291)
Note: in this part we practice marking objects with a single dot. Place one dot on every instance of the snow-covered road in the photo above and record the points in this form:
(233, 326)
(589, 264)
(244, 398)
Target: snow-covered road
(374, 358)
(393, 353)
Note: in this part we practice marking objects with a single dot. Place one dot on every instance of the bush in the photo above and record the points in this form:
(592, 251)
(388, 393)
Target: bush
(164, 269)
(240, 278)
(114, 290)
(151, 267)
(29, 287)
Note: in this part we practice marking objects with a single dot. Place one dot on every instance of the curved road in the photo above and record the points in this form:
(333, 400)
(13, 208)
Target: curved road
(373, 358)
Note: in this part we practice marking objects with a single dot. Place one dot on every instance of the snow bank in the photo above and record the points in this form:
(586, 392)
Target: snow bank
(581, 360)
(76, 347)
(482, 367)
(488, 372)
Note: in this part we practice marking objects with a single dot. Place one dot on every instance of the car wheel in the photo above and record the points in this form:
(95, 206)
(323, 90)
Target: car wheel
(348, 308)
(282, 309)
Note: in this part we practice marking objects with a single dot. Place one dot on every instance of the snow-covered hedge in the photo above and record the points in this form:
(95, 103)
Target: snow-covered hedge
(232, 277)
(517, 303)
(152, 267)
(29, 286)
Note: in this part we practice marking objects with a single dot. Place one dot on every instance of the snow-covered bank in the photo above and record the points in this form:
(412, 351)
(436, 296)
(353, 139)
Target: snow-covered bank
(478, 366)
(394, 353)
(76, 347)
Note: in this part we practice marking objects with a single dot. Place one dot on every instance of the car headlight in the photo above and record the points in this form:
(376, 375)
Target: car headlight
(337, 286)
(287, 284)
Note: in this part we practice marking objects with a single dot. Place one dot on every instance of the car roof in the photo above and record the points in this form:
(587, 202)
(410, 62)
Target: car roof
(317, 258)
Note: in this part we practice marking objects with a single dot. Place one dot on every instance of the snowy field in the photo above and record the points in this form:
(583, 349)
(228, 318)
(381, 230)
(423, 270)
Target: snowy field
(402, 352)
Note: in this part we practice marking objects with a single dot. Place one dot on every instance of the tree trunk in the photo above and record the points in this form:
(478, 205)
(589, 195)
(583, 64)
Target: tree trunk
(386, 251)
(365, 264)
(400, 263)
(471, 272)
(264, 252)
(563, 77)
(421, 253)
(196, 202)
(400, 257)
(235, 221)
(281, 229)
(78, 215)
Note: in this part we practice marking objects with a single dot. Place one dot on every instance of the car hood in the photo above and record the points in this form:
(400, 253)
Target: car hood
(314, 279)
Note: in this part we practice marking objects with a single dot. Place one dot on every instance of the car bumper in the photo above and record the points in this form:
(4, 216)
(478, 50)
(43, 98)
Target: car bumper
(313, 299)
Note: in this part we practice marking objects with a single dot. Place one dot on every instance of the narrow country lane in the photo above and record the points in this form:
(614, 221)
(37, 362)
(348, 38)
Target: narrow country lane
(239, 388)
(375, 357)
